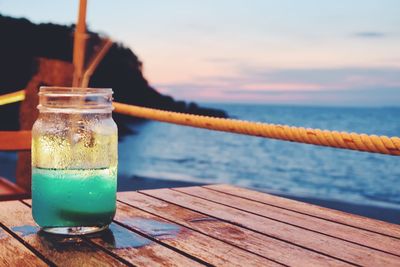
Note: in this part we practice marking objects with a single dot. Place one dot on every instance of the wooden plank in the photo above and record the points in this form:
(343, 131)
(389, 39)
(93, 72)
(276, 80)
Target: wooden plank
(14, 253)
(208, 249)
(337, 248)
(136, 249)
(359, 236)
(62, 251)
(313, 210)
(15, 140)
(260, 244)
(10, 191)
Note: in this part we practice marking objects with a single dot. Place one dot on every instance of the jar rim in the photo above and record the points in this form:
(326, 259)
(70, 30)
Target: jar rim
(59, 99)
(73, 91)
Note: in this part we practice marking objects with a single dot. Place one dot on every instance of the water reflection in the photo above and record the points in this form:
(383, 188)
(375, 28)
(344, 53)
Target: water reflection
(118, 237)
(153, 228)
(115, 237)
(2, 233)
(26, 230)
(62, 242)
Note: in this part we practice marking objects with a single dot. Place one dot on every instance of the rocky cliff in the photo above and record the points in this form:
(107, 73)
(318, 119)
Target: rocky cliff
(22, 42)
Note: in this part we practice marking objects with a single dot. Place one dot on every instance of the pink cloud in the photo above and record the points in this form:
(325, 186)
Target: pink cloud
(282, 86)
(294, 86)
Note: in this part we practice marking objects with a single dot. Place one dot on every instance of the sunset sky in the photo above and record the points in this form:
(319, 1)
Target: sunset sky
(281, 52)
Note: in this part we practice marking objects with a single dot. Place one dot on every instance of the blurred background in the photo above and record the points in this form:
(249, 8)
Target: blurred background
(323, 64)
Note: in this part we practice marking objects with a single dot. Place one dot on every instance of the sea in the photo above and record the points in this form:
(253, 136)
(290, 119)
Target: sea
(170, 152)
(165, 155)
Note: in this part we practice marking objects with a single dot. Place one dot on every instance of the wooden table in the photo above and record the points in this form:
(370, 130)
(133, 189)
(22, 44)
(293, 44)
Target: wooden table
(210, 225)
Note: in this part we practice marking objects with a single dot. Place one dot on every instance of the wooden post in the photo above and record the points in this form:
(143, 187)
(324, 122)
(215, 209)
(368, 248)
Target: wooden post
(80, 38)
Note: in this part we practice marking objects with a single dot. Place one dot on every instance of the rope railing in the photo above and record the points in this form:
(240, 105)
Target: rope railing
(344, 140)
(12, 97)
(353, 141)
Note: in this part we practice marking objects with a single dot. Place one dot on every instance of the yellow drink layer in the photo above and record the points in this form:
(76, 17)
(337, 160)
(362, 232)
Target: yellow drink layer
(93, 144)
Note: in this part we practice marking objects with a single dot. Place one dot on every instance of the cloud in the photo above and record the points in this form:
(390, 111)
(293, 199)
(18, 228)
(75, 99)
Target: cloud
(220, 60)
(331, 86)
(311, 78)
(370, 34)
(350, 97)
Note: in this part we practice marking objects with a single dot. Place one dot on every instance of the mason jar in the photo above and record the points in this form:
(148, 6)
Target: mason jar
(74, 160)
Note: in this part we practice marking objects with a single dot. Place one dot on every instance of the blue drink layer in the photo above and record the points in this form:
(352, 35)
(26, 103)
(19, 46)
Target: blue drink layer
(66, 198)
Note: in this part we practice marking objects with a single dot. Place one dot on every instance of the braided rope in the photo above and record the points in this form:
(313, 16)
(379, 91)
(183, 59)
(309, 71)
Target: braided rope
(12, 97)
(353, 141)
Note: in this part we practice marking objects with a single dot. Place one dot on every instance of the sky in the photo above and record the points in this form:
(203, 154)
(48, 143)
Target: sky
(308, 52)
